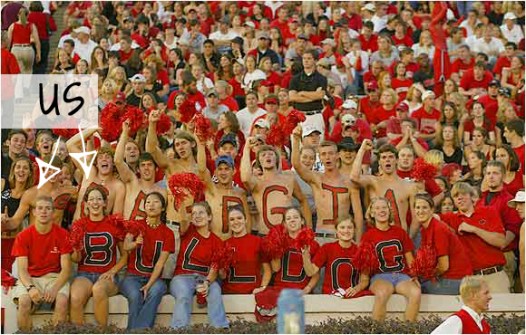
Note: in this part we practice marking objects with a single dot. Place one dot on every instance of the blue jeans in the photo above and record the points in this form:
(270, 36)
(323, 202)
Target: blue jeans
(393, 277)
(182, 287)
(443, 286)
(142, 312)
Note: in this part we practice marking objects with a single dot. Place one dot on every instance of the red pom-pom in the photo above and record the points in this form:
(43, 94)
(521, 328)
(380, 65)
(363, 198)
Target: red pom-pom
(425, 263)
(136, 118)
(118, 222)
(293, 119)
(111, 122)
(134, 227)
(163, 125)
(7, 279)
(65, 133)
(276, 242)
(224, 257)
(77, 232)
(187, 110)
(184, 184)
(422, 170)
(365, 258)
(203, 127)
(276, 136)
(305, 238)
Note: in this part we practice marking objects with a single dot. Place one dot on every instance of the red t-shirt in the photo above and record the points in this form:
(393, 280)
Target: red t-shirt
(446, 243)
(490, 105)
(468, 80)
(391, 246)
(367, 106)
(124, 56)
(381, 114)
(292, 274)
(520, 153)
(230, 102)
(482, 254)
(458, 66)
(245, 275)
(43, 251)
(405, 40)
(339, 270)
(197, 97)
(370, 45)
(100, 246)
(142, 260)
(426, 121)
(195, 254)
(509, 216)
(501, 63)
(516, 184)
(401, 86)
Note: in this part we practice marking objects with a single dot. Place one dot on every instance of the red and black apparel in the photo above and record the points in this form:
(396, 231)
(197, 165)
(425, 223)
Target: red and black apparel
(142, 260)
(244, 275)
(390, 247)
(98, 253)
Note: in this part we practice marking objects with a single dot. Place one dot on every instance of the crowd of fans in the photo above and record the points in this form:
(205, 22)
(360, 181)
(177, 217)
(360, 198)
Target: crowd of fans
(383, 91)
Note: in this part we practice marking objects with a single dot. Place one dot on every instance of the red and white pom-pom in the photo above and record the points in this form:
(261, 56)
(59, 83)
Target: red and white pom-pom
(77, 232)
(187, 110)
(203, 127)
(111, 122)
(183, 184)
(276, 242)
(425, 263)
(136, 118)
(423, 170)
(223, 258)
(305, 238)
(366, 259)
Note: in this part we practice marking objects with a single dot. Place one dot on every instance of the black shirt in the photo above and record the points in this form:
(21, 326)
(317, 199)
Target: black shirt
(6, 166)
(303, 82)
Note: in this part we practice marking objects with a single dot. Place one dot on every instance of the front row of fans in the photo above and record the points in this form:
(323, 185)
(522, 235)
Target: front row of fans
(44, 253)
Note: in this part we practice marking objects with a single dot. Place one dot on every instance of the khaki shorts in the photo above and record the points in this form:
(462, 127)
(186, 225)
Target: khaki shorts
(41, 283)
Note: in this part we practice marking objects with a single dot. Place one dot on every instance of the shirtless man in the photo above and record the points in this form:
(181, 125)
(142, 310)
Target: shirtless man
(398, 191)
(60, 194)
(333, 192)
(222, 195)
(273, 191)
(185, 147)
(136, 188)
(101, 174)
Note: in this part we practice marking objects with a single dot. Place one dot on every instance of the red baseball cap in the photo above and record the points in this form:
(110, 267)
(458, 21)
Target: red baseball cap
(372, 85)
(120, 97)
(403, 106)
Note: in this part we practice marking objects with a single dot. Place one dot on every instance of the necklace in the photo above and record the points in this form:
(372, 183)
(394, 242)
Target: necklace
(152, 225)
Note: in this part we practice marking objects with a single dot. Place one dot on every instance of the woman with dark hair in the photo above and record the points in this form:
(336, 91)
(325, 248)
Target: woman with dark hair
(401, 83)
(394, 251)
(20, 180)
(478, 119)
(276, 41)
(194, 271)
(476, 163)
(225, 70)
(446, 205)
(176, 65)
(45, 25)
(450, 117)
(479, 143)
(251, 272)
(452, 261)
(448, 143)
(153, 85)
(229, 124)
(149, 250)
(289, 269)
(148, 101)
(99, 60)
(63, 62)
(513, 180)
(513, 77)
(337, 258)
(98, 267)
(265, 65)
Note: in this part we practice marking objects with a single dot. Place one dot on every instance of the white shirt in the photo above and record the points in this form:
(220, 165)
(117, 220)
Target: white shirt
(249, 78)
(84, 50)
(379, 22)
(219, 36)
(246, 119)
(418, 49)
(492, 49)
(514, 35)
(204, 84)
(364, 56)
(469, 31)
(453, 324)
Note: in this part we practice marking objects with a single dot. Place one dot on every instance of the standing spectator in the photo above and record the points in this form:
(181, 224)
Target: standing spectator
(307, 89)
(518, 204)
(45, 25)
(42, 254)
(9, 67)
(482, 233)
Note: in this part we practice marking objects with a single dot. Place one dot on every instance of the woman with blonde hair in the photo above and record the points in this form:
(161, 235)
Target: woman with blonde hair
(424, 45)
(107, 92)
(414, 97)
(118, 74)
(384, 80)
(448, 143)
(394, 250)
(435, 157)
(378, 121)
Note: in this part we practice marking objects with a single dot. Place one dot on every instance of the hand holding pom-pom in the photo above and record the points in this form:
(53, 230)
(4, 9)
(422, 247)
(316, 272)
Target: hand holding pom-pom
(423, 170)
(276, 242)
(425, 262)
(223, 258)
(76, 234)
(203, 127)
(366, 259)
(179, 182)
(304, 239)
(134, 227)
(187, 110)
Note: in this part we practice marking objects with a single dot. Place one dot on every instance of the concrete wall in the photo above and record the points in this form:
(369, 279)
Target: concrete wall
(317, 308)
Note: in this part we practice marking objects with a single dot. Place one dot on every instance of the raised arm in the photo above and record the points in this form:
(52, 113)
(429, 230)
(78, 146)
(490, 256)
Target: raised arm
(356, 203)
(246, 168)
(152, 143)
(120, 197)
(74, 145)
(125, 173)
(356, 171)
(305, 174)
(204, 174)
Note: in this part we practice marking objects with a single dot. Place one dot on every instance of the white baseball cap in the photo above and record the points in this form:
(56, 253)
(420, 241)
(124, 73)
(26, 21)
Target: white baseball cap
(138, 77)
(428, 94)
(509, 16)
(519, 197)
(309, 129)
(370, 7)
(348, 104)
(82, 29)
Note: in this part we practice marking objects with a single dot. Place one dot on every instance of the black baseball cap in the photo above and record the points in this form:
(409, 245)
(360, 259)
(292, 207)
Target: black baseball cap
(347, 144)
(228, 138)
(494, 82)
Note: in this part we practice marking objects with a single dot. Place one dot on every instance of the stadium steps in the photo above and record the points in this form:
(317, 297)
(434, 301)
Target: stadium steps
(55, 37)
